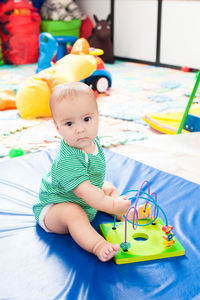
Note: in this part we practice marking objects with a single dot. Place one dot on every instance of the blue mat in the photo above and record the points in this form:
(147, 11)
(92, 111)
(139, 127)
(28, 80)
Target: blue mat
(39, 265)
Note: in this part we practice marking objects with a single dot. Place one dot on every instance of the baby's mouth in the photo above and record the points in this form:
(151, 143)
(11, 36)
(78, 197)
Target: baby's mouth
(82, 139)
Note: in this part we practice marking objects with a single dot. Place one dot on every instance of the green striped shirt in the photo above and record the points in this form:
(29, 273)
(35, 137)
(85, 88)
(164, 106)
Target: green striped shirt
(70, 168)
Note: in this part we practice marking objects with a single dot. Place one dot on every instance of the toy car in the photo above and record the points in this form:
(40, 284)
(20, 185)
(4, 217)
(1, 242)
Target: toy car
(100, 80)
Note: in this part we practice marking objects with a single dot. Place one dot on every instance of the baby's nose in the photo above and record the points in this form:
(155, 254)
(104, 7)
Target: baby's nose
(80, 129)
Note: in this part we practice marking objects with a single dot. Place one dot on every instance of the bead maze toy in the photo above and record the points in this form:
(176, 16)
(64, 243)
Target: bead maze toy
(142, 239)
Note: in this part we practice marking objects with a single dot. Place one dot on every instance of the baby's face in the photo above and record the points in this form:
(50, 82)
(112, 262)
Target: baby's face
(77, 121)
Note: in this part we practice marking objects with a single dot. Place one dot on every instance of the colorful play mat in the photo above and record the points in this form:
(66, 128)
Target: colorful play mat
(137, 90)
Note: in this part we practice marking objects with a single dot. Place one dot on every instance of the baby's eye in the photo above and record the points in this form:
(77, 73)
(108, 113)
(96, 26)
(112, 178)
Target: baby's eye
(68, 123)
(87, 119)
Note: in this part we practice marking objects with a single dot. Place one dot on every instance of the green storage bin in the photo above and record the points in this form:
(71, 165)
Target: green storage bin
(61, 28)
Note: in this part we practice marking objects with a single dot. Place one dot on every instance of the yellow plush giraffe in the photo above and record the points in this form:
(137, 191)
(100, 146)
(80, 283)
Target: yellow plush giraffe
(33, 97)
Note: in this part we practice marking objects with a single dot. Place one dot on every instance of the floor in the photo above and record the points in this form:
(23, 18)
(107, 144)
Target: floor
(136, 90)
(174, 154)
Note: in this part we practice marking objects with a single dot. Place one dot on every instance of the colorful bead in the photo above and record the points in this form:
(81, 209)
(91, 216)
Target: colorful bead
(170, 236)
(168, 243)
(156, 220)
(165, 237)
(125, 246)
(167, 229)
(146, 209)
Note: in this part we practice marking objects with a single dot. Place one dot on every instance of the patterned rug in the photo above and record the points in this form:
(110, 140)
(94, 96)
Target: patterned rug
(137, 89)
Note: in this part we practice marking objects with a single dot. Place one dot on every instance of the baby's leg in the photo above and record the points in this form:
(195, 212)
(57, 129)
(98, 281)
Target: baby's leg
(70, 218)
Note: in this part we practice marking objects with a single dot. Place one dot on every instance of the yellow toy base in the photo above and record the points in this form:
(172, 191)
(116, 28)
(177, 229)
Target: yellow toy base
(168, 122)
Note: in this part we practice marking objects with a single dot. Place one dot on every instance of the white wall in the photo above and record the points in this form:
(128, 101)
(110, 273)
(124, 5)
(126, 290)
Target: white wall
(135, 29)
(101, 8)
(180, 33)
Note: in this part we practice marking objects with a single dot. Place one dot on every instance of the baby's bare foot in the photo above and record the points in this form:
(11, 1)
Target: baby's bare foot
(105, 250)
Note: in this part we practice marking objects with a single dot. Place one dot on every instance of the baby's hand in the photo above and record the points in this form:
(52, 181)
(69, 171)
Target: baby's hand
(130, 215)
(121, 205)
(110, 190)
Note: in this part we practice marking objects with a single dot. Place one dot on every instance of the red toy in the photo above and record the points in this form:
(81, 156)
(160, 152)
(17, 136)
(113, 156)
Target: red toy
(86, 28)
(167, 229)
(185, 69)
(19, 31)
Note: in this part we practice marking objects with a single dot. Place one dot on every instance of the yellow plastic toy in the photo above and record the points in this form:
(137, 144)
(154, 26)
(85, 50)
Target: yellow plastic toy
(33, 97)
(95, 51)
(173, 123)
(168, 122)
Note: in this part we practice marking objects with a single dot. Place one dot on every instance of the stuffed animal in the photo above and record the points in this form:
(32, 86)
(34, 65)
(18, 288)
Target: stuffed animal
(101, 38)
(64, 10)
(32, 98)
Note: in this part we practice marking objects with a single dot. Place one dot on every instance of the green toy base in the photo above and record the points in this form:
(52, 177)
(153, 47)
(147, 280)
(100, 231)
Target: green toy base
(146, 242)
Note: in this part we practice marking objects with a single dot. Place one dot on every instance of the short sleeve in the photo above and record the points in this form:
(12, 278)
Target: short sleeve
(71, 171)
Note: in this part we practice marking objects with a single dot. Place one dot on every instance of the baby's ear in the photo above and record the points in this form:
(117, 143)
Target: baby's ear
(56, 125)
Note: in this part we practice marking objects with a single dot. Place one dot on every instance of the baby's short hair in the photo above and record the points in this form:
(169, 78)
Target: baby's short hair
(69, 90)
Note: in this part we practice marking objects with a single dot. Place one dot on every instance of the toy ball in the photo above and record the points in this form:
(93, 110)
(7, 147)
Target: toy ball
(14, 152)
